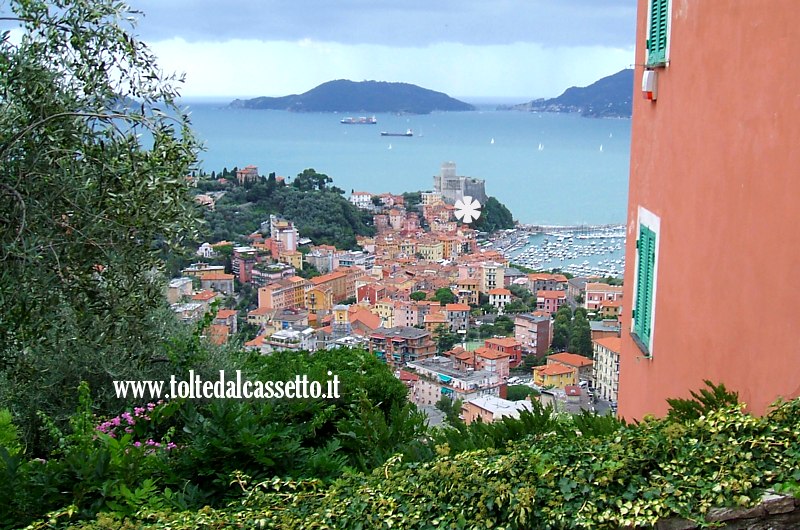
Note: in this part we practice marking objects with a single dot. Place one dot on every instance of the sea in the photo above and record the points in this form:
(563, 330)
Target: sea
(547, 168)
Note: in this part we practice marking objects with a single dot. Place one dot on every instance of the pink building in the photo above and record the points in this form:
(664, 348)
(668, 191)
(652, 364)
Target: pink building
(550, 301)
(597, 293)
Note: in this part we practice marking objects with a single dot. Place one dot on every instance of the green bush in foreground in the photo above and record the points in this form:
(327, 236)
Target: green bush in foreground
(632, 476)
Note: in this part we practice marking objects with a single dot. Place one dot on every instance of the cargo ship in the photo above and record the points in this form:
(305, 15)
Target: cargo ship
(408, 132)
(363, 120)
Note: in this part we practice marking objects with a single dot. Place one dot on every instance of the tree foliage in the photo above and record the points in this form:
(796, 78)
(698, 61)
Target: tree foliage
(318, 210)
(494, 216)
(418, 296)
(94, 155)
(444, 296)
(445, 339)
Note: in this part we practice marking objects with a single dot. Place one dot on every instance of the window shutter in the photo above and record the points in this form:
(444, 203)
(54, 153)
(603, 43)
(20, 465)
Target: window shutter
(643, 304)
(657, 38)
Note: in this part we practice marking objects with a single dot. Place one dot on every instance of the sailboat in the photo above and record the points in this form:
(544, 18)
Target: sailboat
(492, 142)
(541, 146)
(601, 148)
(390, 146)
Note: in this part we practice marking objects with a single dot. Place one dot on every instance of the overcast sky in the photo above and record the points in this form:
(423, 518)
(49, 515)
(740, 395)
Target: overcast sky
(466, 48)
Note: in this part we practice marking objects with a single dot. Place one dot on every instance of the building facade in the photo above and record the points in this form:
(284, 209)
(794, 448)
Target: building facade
(713, 203)
(606, 367)
(534, 333)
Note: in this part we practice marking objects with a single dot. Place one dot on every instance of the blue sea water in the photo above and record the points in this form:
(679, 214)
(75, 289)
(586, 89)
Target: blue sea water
(546, 167)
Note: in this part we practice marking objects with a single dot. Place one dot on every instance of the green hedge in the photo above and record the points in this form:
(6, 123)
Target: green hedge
(633, 476)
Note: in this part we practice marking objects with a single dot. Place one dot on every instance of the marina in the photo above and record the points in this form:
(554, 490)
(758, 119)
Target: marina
(585, 250)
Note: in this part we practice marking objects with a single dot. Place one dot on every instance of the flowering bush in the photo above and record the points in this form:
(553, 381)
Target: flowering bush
(142, 425)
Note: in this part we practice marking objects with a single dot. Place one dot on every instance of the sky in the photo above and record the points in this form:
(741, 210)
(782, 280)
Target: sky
(491, 50)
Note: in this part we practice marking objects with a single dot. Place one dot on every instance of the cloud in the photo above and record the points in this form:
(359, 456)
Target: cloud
(411, 23)
(248, 68)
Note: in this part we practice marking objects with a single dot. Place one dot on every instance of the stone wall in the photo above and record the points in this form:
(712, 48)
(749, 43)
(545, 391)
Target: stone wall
(775, 512)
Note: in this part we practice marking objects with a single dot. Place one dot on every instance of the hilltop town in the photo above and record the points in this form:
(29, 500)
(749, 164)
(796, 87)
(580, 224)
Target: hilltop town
(424, 294)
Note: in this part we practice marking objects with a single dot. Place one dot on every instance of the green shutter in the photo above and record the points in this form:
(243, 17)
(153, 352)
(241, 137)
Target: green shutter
(657, 38)
(645, 274)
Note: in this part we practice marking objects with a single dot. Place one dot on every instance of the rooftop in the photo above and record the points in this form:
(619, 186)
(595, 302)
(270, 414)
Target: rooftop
(604, 325)
(610, 343)
(216, 276)
(505, 342)
(604, 287)
(572, 359)
(554, 369)
(179, 282)
(204, 296)
(500, 406)
(551, 294)
(534, 318)
(444, 366)
(402, 332)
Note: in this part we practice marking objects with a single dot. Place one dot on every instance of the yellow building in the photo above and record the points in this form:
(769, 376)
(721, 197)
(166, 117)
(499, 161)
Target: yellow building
(319, 299)
(408, 247)
(384, 308)
(555, 375)
(433, 321)
(430, 198)
(295, 259)
(431, 250)
(467, 291)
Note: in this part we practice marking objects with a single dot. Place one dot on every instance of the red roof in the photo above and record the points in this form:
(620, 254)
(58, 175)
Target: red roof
(370, 320)
(554, 369)
(408, 376)
(488, 353)
(571, 359)
(506, 342)
(611, 343)
(327, 277)
(204, 296)
(500, 291)
(216, 276)
(256, 342)
(604, 287)
(226, 313)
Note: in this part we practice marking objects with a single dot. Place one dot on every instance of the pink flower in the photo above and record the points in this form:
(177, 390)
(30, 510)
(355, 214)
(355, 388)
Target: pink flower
(137, 444)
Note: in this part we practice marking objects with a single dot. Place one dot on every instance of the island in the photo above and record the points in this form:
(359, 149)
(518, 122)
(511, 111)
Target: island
(360, 97)
(609, 97)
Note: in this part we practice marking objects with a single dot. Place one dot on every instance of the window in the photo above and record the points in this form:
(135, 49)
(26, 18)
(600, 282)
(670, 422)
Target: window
(658, 32)
(645, 284)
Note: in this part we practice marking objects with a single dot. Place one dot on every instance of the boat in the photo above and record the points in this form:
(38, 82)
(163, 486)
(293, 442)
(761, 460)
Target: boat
(362, 120)
(408, 132)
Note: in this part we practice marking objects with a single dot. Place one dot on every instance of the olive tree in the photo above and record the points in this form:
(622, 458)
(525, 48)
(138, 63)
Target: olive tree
(94, 158)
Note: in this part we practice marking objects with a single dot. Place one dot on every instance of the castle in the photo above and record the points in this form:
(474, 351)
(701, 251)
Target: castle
(452, 187)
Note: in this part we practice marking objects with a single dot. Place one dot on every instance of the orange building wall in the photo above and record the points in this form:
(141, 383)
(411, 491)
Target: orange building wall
(717, 158)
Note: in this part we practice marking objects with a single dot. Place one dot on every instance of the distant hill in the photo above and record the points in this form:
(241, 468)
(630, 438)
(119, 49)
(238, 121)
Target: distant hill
(360, 97)
(610, 97)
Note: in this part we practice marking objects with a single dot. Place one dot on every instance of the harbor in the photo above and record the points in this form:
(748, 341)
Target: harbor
(582, 250)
